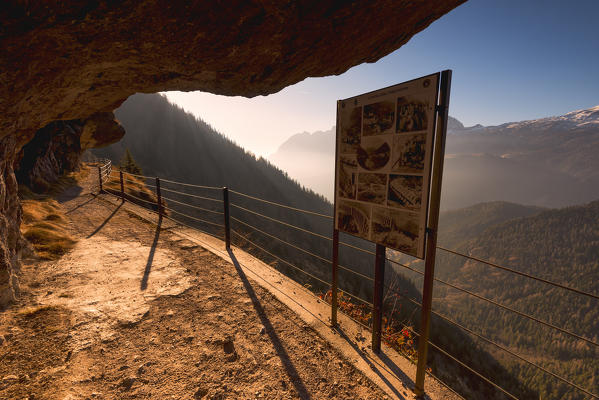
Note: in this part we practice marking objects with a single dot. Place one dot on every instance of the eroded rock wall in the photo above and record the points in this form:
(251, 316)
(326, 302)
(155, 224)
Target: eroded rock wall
(57, 148)
(11, 241)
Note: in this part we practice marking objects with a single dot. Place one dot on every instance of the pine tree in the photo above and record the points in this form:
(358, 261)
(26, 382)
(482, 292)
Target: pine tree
(128, 164)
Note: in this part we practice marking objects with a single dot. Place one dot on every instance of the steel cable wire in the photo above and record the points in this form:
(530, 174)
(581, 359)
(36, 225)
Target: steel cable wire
(355, 272)
(278, 258)
(282, 205)
(194, 218)
(340, 310)
(282, 241)
(190, 184)
(520, 273)
(395, 262)
(405, 266)
(519, 313)
(303, 250)
(357, 248)
(177, 221)
(131, 181)
(190, 227)
(191, 195)
(356, 297)
(282, 223)
(138, 176)
(464, 365)
(513, 354)
(310, 253)
(192, 206)
(504, 307)
(118, 194)
(446, 318)
(473, 371)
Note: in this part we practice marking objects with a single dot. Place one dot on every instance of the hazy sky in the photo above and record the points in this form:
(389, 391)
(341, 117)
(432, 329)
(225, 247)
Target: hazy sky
(511, 60)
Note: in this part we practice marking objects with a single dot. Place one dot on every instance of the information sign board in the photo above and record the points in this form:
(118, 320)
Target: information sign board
(383, 164)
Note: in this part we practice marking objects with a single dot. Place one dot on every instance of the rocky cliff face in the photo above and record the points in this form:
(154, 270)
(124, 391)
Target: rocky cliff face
(68, 60)
(57, 148)
(11, 241)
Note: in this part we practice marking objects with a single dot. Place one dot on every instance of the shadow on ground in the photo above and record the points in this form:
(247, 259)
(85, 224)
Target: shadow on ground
(276, 341)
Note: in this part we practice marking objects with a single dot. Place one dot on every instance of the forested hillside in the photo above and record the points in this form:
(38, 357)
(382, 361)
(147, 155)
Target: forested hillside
(559, 245)
(167, 142)
(468, 223)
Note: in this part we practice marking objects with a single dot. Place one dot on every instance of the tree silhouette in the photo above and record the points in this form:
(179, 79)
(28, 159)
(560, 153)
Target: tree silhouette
(128, 164)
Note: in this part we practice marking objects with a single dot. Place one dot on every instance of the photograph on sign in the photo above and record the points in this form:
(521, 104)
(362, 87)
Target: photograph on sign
(408, 153)
(396, 229)
(412, 113)
(405, 191)
(383, 164)
(348, 176)
(378, 118)
(350, 121)
(354, 218)
(372, 187)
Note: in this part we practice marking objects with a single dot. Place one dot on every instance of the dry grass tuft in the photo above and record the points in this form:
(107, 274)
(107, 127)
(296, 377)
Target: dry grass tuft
(44, 224)
(45, 227)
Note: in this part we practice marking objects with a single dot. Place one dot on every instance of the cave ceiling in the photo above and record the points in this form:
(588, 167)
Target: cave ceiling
(64, 60)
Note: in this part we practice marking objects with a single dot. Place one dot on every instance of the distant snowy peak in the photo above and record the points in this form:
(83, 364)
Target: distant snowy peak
(590, 115)
(584, 119)
(588, 118)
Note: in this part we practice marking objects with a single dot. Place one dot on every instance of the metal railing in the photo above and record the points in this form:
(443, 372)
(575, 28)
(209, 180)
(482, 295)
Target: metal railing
(209, 205)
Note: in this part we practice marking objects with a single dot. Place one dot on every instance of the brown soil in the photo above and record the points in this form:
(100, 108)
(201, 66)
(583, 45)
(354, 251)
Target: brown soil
(134, 311)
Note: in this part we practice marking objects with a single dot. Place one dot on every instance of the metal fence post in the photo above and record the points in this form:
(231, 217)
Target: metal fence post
(334, 278)
(100, 178)
(431, 231)
(377, 301)
(158, 197)
(122, 186)
(226, 215)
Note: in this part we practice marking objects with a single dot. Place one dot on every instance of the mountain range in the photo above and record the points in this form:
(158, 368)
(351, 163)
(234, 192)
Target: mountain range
(309, 158)
(548, 162)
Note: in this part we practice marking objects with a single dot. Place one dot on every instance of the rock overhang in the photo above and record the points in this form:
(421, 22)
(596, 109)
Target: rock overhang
(67, 59)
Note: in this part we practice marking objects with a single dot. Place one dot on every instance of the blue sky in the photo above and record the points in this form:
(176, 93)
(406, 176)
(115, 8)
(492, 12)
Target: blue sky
(511, 61)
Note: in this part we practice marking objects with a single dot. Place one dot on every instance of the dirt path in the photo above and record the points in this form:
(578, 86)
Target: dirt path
(137, 312)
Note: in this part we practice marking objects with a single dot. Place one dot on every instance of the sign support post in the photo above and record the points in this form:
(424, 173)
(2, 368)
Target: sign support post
(431, 231)
(122, 186)
(100, 178)
(227, 221)
(377, 301)
(334, 278)
(158, 198)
